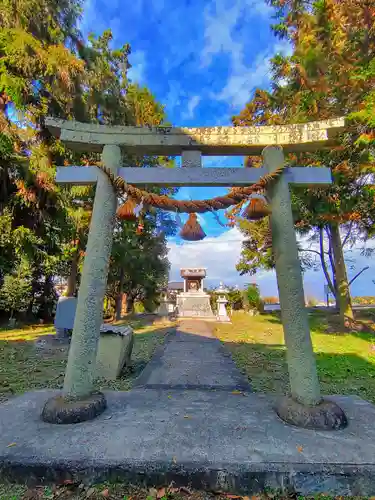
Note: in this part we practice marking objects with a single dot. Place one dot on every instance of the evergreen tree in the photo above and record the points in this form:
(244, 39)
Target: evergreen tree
(46, 69)
(329, 74)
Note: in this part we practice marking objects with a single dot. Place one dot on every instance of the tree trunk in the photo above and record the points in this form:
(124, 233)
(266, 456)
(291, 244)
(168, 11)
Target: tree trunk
(129, 304)
(35, 290)
(342, 285)
(119, 296)
(323, 262)
(332, 262)
(72, 279)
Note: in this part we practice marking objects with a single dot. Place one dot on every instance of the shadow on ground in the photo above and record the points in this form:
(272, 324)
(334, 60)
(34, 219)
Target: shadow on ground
(266, 368)
(345, 361)
(33, 358)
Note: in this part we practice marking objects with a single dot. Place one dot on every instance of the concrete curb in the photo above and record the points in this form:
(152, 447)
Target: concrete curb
(302, 479)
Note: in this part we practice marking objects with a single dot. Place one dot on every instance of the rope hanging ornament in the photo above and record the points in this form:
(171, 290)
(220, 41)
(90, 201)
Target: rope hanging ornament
(257, 208)
(126, 211)
(234, 197)
(192, 230)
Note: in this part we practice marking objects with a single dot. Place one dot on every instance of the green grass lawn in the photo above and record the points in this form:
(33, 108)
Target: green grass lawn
(346, 361)
(29, 360)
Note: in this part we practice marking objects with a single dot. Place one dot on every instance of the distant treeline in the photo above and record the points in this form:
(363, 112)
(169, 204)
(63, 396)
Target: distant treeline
(364, 301)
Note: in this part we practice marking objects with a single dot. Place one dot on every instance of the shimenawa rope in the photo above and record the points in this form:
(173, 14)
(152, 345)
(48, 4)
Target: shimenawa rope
(235, 196)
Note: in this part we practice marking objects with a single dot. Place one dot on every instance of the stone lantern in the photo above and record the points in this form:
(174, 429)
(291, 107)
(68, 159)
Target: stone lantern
(222, 301)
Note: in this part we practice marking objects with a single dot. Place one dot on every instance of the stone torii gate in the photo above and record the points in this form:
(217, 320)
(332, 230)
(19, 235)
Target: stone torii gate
(305, 406)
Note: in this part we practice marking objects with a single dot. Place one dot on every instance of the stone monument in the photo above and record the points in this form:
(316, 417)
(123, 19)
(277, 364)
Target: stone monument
(194, 301)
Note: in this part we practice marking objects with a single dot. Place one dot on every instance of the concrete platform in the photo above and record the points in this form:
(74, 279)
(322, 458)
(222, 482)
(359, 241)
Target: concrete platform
(212, 439)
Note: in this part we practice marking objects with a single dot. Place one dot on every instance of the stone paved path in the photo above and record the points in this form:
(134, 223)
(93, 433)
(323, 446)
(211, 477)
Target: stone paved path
(193, 358)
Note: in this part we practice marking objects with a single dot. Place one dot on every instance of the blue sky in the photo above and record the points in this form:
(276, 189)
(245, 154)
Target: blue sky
(202, 59)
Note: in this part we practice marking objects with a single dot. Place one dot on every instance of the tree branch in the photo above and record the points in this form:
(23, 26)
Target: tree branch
(309, 250)
(358, 274)
(347, 234)
(323, 262)
(332, 262)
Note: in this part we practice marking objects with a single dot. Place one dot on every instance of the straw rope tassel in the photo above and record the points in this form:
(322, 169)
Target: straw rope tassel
(192, 230)
(257, 208)
(126, 210)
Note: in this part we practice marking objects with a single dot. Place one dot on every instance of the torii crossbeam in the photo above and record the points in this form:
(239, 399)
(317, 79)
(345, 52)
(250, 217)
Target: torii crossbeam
(305, 406)
(191, 144)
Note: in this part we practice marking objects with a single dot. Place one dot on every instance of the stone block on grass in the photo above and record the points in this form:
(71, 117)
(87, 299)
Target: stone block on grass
(114, 350)
(64, 317)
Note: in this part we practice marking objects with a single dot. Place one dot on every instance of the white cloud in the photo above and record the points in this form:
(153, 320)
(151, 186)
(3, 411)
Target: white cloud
(192, 104)
(221, 36)
(175, 95)
(244, 78)
(137, 72)
(221, 254)
(240, 83)
(218, 32)
(221, 18)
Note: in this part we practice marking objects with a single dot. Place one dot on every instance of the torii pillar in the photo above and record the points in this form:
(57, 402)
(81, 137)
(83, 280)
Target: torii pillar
(304, 407)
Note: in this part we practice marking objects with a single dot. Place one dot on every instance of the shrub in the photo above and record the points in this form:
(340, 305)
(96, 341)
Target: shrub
(251, 298)
(139, 307)
(150, 305)
(16, 291)
(235, 299)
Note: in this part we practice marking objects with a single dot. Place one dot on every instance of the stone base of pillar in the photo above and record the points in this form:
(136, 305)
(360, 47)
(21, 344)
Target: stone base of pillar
(327, 415)
(59, 410)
